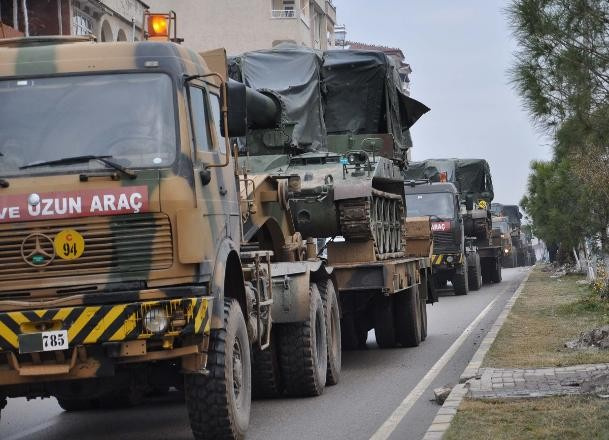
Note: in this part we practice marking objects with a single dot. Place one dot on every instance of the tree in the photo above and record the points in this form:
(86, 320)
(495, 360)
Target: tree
(562, 73)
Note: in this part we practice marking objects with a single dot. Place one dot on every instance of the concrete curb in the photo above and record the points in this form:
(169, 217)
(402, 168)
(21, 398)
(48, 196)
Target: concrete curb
(441, 422)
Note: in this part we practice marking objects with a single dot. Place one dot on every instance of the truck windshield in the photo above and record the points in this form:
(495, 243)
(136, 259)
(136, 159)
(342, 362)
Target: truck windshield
(127, 116)
(438, 204)
(502, 226)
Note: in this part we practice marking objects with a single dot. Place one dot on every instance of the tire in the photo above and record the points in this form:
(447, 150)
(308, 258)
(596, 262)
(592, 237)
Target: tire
(303, 351)
(407, 317)
(460, 282)
(266, 377)
(219, 403)
(333, 331)
(76, 405)
(384, 321)
(496, 273)
(423, 320)
(475, 274)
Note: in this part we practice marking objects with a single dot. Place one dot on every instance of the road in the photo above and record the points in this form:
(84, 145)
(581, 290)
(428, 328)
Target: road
(374, 383)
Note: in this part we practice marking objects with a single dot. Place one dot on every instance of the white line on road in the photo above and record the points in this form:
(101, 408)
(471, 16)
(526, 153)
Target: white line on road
(400, 412)
(32, 430)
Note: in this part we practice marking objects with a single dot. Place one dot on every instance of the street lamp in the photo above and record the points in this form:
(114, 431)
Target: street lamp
(340, 35)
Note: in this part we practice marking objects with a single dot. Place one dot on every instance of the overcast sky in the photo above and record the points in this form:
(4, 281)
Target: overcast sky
(460, 52)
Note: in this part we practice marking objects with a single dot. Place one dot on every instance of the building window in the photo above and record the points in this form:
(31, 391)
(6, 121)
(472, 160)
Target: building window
(82, 24)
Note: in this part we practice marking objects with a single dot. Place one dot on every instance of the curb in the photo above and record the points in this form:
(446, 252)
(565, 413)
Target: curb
(441, 422)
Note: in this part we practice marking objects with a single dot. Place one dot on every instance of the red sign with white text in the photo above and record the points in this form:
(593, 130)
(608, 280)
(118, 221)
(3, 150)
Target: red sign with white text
(440, 227)
(72, 204)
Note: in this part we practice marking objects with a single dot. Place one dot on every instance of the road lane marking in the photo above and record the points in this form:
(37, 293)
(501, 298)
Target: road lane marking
(402, 410)
(32, 430)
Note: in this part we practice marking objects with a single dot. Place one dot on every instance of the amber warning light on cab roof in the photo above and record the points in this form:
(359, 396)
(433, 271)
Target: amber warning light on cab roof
(443, 176)
(162, 27)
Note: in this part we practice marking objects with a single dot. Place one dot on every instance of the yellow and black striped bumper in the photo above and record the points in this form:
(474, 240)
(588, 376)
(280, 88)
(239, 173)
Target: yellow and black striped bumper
(440, 259)
(107, 323)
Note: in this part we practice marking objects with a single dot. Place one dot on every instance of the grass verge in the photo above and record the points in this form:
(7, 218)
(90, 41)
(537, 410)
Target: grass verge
(548, 313)
(544, 418)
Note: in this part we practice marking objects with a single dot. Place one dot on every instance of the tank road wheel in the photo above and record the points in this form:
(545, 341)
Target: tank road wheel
(303, 351)
(384, 321)
(76, 405)
(407, 317)
(333, 330)
(219, 403)
(266, 377)
(475, 274)
(460, 281)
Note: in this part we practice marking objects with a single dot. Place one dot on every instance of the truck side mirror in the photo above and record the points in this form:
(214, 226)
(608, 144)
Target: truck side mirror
(237, 109)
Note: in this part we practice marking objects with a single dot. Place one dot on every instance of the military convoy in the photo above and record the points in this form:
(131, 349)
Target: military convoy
(456, 194)
(521, 249)
(144, 250)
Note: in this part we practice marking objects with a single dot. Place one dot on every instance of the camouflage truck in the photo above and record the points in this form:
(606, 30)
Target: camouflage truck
(464, 252)
(134, 256)
(339, 121)
(514, 216)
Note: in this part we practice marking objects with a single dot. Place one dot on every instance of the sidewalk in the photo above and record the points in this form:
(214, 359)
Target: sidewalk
(523, 383)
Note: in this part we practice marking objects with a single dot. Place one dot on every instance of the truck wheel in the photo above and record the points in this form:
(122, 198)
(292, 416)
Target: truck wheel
(333, 330)
(407, 317)
(475, 274)
(303, 351)
(460, 282)
(423, 305)
(496, 274)
(384, 321)
(76, 405)
(266, 377)
(219, 403)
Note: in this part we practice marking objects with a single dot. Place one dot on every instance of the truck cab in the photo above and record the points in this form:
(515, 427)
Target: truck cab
(502, 237)
(440, 202)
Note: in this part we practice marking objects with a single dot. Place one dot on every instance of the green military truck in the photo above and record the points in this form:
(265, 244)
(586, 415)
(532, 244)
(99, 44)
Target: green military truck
(135, 257)
(456, 194)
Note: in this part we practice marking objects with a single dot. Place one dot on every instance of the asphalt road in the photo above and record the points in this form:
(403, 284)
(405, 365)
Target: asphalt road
(374, 383)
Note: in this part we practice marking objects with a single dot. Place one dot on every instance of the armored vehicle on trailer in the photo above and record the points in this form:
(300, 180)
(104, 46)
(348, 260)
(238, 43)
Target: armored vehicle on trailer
(465, 255)
(339, 121)
(134, 256)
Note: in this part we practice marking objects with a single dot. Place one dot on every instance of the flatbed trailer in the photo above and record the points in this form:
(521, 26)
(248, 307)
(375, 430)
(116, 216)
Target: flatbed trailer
(389, 296)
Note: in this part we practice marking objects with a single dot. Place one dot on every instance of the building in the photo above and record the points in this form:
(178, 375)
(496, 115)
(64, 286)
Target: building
(107, 20)
(244, 25)
(404, 68)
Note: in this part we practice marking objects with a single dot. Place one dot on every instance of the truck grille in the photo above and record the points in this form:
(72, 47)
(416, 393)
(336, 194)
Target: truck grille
(117, 243)
(443, 242)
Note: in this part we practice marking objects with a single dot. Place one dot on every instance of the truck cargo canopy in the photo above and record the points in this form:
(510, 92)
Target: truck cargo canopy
(470, 176)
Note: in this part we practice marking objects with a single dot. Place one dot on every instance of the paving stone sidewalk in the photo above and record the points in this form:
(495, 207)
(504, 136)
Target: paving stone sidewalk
(505, 383)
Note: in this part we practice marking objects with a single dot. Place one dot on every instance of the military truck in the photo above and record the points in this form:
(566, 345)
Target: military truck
(339, 121)
(458, 203)
(502, 237)
(519, 245)
(135, 257)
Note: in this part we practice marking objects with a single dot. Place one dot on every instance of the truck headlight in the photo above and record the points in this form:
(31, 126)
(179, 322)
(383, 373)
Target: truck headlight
(449, 259)
(156, 320)
(506, 251)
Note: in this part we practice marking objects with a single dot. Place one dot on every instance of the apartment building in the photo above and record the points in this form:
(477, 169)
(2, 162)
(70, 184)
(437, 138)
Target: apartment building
(244, 25)
(107, 20)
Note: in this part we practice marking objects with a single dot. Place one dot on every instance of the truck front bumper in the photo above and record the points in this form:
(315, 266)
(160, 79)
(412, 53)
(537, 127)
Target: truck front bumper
(99, 337)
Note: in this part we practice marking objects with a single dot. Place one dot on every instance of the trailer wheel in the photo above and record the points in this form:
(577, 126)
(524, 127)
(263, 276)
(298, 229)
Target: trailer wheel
(266, 377)
(76, 405)
(407, 317)
(460, 282)
(384, 321)
(219, 403)
(303, 351)
(423, 305)
(333, 330)
(475, 274)
(496, 273)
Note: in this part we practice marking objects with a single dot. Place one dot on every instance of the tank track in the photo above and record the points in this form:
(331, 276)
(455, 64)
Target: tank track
(379, 218)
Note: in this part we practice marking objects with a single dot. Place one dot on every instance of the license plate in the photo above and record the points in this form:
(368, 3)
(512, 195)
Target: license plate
(45, 341)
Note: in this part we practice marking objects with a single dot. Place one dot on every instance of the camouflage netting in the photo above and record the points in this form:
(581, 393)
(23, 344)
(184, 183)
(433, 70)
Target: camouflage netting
(471, 176)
